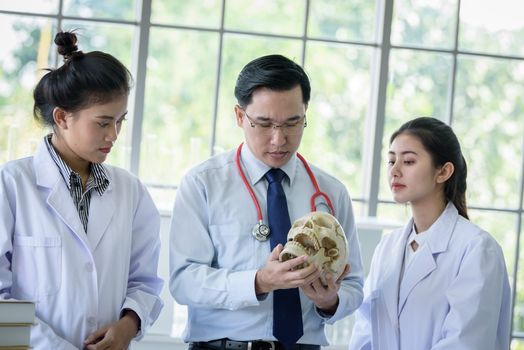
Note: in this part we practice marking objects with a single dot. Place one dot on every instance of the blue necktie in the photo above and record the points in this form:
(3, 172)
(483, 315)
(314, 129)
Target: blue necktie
(287, 313)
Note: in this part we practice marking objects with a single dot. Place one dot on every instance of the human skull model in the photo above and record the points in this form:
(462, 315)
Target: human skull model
(320, 236)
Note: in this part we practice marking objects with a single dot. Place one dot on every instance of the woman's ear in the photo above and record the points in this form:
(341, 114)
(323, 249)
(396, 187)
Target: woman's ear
(445, 172)
(60, 116)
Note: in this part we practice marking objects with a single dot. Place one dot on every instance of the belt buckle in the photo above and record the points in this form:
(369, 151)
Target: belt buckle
(270, 342)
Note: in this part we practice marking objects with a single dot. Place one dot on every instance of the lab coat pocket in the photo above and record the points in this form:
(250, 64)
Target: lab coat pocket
(36, 266)
(384, 332)
(376, 314)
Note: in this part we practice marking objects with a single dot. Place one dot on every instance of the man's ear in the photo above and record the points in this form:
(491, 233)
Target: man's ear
(445, 172)
(239, 115)
(60, 117)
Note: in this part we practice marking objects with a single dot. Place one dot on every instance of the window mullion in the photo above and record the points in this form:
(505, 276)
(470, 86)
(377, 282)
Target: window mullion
(376, 116)
(139, 66)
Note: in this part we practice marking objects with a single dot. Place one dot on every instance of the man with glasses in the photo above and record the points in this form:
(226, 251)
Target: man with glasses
(239, 295)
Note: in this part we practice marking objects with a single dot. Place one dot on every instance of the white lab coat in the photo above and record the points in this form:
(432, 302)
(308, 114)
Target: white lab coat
(79, 281)
(454, 294)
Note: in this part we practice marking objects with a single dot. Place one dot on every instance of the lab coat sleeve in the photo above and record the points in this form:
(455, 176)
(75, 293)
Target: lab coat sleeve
(41, 333)
(144, 285)
(361, 334)
(6, 238)
(193, 279)
(350, 294)
(475, 298)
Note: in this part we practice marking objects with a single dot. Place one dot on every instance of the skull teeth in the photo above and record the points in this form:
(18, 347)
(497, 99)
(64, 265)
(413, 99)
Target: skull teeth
(292, 250)
(308, 241)
(319, 236)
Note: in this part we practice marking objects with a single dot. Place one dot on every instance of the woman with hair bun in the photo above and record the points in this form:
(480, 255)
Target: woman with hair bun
(78, 237)
(441, 281)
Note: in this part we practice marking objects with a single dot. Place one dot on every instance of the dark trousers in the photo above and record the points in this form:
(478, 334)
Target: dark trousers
(227, 344)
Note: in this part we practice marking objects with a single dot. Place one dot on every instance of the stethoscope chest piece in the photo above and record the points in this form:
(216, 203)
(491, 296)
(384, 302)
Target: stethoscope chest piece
(260, 231)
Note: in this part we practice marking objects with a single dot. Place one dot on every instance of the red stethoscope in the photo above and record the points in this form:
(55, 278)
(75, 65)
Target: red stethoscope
(261, 230)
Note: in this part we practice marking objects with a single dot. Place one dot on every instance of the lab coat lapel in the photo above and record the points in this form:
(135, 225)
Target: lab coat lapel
(390, 282)
(101, 212)
(59, 199)
(423, 263)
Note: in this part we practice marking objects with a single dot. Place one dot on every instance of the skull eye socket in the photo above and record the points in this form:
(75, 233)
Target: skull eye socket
(328, 243)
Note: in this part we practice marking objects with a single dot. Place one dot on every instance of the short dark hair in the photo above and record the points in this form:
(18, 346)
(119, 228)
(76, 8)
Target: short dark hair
(84, 79)
(274, 72)
(442, 144)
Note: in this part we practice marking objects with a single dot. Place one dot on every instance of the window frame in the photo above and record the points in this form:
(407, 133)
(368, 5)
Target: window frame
(375, 120)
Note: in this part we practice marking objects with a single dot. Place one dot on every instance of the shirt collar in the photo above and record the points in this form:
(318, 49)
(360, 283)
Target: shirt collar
(420, 237)
(99, 175)
(439, 234)
(255, 169)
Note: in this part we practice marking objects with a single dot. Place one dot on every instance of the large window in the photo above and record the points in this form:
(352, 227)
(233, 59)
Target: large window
(373, 65)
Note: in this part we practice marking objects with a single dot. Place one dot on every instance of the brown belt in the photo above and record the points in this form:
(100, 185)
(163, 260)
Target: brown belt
(227, 344)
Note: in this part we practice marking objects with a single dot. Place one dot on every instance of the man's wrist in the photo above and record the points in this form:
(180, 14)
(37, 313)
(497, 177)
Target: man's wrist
(260, 287)
(328, 311)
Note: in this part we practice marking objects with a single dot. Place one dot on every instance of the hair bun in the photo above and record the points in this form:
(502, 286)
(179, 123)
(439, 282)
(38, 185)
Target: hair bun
(66, 42)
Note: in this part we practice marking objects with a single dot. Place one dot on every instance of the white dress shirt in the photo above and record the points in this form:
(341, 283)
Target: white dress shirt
(214, 257)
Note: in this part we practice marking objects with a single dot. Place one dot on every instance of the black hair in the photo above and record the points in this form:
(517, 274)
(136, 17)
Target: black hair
(442, 144)
(83, 80)
(274, 72)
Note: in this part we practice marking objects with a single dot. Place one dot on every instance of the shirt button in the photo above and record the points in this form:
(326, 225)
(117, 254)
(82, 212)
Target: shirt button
(89, 267)
(91, 321)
